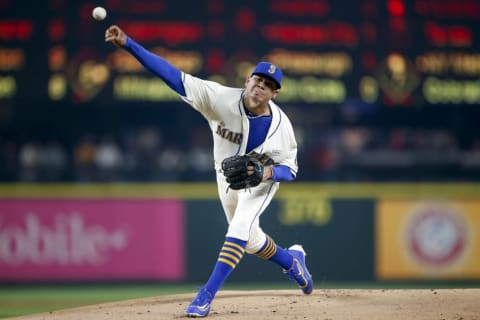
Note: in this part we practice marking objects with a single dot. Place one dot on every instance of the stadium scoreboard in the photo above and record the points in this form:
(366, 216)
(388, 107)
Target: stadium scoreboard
(390, 53)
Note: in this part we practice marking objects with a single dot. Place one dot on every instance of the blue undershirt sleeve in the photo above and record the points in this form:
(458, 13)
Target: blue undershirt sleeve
(159, 66)
(282, 173)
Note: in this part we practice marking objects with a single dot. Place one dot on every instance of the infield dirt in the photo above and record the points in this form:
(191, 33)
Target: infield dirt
(329, 304)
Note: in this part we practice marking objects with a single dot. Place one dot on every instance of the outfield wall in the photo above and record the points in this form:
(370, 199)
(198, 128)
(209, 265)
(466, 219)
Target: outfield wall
(172, 232)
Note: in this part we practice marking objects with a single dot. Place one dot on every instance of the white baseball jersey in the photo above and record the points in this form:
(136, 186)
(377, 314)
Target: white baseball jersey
(224, 110)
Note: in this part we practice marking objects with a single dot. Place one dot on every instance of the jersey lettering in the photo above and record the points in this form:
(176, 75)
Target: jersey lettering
(231, 136)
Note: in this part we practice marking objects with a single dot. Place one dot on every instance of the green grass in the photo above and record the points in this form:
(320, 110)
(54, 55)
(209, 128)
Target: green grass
(22, 300)
(17, 300)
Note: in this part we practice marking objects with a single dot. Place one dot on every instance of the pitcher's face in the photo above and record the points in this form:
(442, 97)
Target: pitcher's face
(258, 91)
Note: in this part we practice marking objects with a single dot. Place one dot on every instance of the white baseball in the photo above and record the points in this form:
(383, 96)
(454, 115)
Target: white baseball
(99, 13)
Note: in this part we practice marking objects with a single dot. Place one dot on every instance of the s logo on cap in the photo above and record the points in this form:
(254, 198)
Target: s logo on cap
(271, 69)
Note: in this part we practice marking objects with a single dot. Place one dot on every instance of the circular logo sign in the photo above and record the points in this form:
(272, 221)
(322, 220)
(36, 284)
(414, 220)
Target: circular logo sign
(436, 235)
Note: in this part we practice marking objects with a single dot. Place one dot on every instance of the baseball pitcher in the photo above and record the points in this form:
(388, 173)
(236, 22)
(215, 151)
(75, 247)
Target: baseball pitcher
(254, 150)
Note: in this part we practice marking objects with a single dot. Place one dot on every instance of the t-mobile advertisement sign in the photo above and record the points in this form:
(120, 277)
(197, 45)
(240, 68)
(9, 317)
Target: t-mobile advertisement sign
(90, 239)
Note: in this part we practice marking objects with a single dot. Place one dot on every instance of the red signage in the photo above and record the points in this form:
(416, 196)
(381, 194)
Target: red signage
(90, 239)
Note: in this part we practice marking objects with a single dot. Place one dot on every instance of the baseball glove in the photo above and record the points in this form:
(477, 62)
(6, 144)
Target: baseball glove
(235, 169)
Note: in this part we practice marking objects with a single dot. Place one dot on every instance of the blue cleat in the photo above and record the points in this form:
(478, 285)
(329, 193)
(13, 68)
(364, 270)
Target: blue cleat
(298, 272)
(200, 306)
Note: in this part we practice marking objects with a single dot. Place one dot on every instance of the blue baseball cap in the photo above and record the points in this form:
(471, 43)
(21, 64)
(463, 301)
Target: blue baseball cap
(269, 70)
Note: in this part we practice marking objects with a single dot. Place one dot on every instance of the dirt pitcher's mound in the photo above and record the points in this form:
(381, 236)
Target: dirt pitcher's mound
(449, 304)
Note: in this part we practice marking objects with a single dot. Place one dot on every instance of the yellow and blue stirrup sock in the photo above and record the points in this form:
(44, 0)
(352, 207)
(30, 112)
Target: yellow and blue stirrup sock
(272, 252)
(230, 256)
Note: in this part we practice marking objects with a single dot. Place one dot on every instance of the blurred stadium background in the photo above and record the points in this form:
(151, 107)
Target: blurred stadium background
(106, 182)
